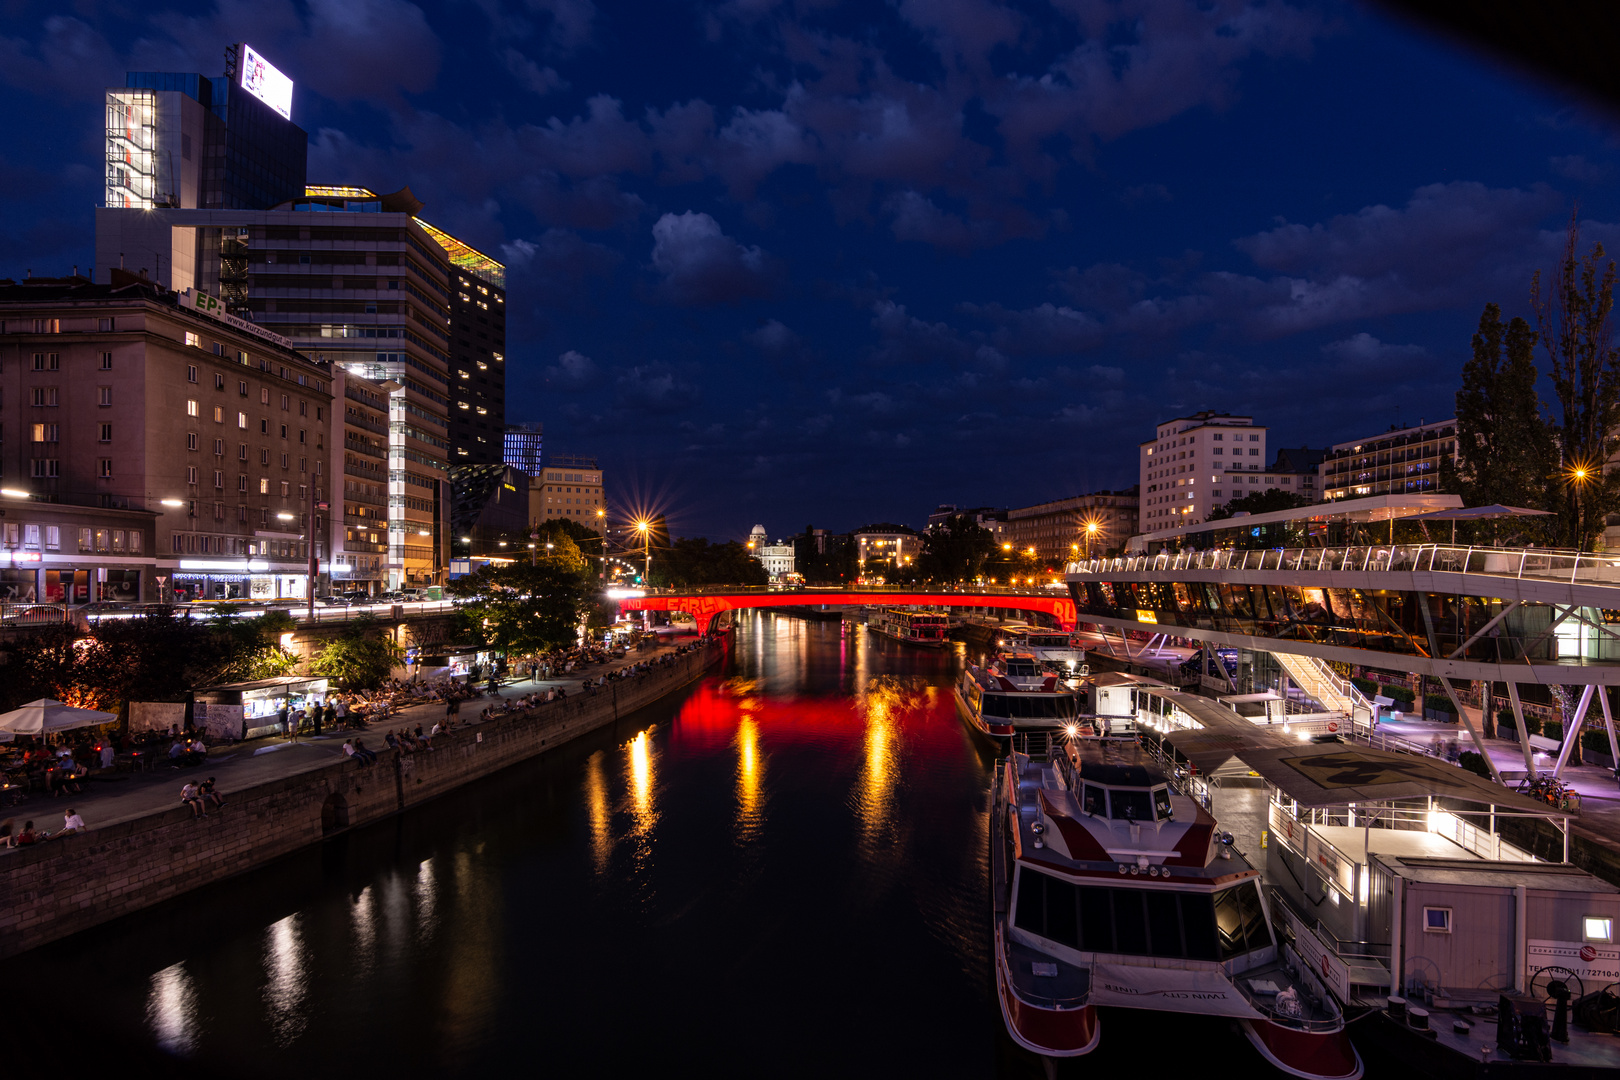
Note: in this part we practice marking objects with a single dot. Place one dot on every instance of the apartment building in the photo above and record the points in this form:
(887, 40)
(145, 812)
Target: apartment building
(1196, 463)
(1403, 460)
(1064, 529)
(569, 486)
(884, 546)
(360, 426)
(127, 396)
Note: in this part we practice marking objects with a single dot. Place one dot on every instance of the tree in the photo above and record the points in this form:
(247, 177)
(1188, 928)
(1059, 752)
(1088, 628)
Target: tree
(955, 550)
(522, 609)
(1260, 502)
(362, 657)
(1505, 445)
(693, 562)
(1573, 322)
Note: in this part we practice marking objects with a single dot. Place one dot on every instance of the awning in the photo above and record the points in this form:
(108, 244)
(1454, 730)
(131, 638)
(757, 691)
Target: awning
(1328, 775)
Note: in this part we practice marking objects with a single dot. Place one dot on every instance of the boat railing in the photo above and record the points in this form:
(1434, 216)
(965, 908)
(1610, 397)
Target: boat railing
(1575, 567)
(1316, 998)
(1344, 948)
(1298, 836)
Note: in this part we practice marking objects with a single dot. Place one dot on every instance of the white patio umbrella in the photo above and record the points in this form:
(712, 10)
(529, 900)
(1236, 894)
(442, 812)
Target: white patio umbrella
(46, 715)
(1476, 513)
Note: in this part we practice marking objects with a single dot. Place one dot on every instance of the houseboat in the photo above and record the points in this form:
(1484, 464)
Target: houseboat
(927, 628)
(1001, 706)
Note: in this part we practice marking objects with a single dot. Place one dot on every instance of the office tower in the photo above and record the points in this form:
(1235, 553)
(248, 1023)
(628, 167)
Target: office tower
(523, 448)
(477, 354)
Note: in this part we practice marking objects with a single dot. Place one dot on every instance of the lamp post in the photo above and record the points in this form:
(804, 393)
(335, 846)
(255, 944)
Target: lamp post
(1091, 531)
(645, 529)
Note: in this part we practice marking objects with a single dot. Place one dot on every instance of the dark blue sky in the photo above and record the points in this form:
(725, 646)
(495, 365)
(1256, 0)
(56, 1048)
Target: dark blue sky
(833, 263)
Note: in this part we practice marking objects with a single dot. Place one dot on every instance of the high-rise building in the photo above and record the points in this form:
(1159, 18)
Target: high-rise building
(360, 527)
(1194, 464)
(568, 486)
(524, 447)
(188, 141)
(477, 353)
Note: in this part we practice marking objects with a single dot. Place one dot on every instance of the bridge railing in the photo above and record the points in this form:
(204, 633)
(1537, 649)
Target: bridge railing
(1538, 563)
(810, 592)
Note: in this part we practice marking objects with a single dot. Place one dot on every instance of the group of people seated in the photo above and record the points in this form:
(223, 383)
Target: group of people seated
(186, 750)
(28, 835)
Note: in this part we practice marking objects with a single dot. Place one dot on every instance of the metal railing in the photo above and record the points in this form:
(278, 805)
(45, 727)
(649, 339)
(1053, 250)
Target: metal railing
(812, 591)
(1539, 563)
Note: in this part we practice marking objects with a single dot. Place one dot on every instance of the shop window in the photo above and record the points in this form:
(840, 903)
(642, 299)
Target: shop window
(84, 540)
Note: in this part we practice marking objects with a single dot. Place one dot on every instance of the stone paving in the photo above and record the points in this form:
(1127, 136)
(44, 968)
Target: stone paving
(118, 797)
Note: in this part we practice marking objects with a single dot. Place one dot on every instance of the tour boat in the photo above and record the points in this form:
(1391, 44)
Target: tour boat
(1001, 705)
(1112, 889)
(926, 628)
(1055, 649)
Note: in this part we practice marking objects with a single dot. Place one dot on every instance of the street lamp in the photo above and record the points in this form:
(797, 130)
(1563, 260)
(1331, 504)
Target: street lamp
(1091, 530)
(644, 527)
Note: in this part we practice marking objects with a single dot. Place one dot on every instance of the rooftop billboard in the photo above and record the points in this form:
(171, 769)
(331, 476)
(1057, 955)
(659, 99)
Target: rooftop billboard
(264, 82)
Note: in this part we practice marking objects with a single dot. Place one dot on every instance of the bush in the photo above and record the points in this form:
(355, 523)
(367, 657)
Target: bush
(1439, 703)
(1475, 763)
(1554, 730)
(1402, 695)
(1595, 739)
(1367, 687)
(1504, 719)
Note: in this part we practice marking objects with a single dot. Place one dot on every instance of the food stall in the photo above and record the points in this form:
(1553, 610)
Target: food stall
(247, 710)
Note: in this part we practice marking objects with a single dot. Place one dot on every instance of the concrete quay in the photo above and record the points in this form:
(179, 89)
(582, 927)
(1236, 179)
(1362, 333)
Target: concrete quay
(143, 846)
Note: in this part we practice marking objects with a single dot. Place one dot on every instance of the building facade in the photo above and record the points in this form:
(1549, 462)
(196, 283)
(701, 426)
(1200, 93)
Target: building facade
(1194, 464)
(1067, 528)
(777, 558)
(1400, 461)
(569, 486)
(525, 445)
(880, 548)
(360, 505)
(126, 397)
(477, 353)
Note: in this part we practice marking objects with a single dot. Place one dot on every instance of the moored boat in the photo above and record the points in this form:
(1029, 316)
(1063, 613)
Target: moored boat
(1000, 706)
(1115, 889)
(926, 628)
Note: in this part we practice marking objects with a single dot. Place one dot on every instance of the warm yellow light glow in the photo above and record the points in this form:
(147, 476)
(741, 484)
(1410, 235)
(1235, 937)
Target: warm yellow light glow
(1006, 547)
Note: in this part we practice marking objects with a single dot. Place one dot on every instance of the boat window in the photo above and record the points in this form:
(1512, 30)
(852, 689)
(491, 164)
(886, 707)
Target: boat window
(1161, 804)
(1030, 706)
(1130, 805)
(1240, 921)
(1095, 801)
(1136, 922)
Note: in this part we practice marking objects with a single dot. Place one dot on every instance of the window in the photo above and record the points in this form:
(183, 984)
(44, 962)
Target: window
(219, 479)
(85, 545)
(104, 433)
(264, 485)
(105, 326)
(285, 403)
(191, 474)
(264, 395)
(47, 361)
(104, 468)
(1218, 436)
(303, 408)
(283, 431)
(191, 373)
(192, 410)
(285, 489)
(193, 340)
(1598, 928)
(104, 396)
(264, 427)
(242, 483)
(1254, 438)
(241, 452)
(242, 388)
(53, 538)
(106, 361)
(47, 433)
(46, 467)
(45, 397)
(219, 414)
(264, 456)
(1437, 920)
(219, 447)
(191, 440)
(219, 381)
(134, 542)
(302, 433)
(1253, 452)
(31, 536)
(219, 511)
(241, 420)
(284, 459)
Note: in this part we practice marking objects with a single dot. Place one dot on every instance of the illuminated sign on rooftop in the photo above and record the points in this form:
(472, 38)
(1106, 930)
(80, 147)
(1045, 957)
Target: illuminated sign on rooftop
(263, 81)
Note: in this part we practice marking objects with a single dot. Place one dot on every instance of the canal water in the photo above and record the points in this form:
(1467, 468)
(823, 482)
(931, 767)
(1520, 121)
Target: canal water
(782, 872)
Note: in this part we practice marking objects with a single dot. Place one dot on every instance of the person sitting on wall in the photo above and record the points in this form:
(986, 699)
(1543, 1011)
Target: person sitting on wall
(362, 755)
(27, 836)
(190, 797)
(71, 822)
(208, 795)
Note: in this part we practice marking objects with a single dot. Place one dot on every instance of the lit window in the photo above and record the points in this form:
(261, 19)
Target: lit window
(1598, 928)
(193, 340)
(191, 408)
(264, 485)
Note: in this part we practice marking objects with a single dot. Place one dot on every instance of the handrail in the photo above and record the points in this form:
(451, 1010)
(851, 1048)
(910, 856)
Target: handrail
(1539, 563)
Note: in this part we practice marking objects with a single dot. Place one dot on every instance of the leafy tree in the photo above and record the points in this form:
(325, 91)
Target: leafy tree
(362, 657)
(957, 550)
(1572, 317)
(523, 609)
(1260, 502)
(1504, 442)
(693, 562)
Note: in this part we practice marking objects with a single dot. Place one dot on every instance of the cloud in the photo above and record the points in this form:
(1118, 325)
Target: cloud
(556, 270)
(1363, 354)
(917, 218)
(531, 76)
(775, 338)
(1047, 329)
(573, 371)
(701, 265)
(68, 53)
(1577, 168)
(655, 388)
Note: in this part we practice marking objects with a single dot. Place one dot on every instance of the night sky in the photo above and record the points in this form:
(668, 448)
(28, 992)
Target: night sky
(830, 263)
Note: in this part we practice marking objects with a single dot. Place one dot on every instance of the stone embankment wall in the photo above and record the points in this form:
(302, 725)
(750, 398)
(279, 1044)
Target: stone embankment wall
(59, 888)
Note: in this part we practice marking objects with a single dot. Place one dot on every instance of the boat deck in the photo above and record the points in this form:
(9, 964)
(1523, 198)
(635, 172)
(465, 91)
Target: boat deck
(1585, 1049)
(1353, 843)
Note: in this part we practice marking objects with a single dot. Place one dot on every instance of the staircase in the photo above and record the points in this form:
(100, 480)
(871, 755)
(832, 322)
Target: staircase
(1331, 690)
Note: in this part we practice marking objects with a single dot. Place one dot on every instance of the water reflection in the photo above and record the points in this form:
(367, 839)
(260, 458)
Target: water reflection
(750, 816)
(472, 983)
(285, 968)
(363, 919)
(641, 781)
(171, 1010)
(427, 901)
(881, 770)
(599, 811)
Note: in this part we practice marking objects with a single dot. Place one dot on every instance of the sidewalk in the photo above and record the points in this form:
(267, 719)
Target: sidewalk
(117, 797)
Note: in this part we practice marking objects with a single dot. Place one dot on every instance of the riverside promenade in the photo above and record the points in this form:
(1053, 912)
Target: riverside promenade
(142, 846)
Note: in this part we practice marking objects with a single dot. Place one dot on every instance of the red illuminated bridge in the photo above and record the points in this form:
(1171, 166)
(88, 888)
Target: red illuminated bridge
(705, 604)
